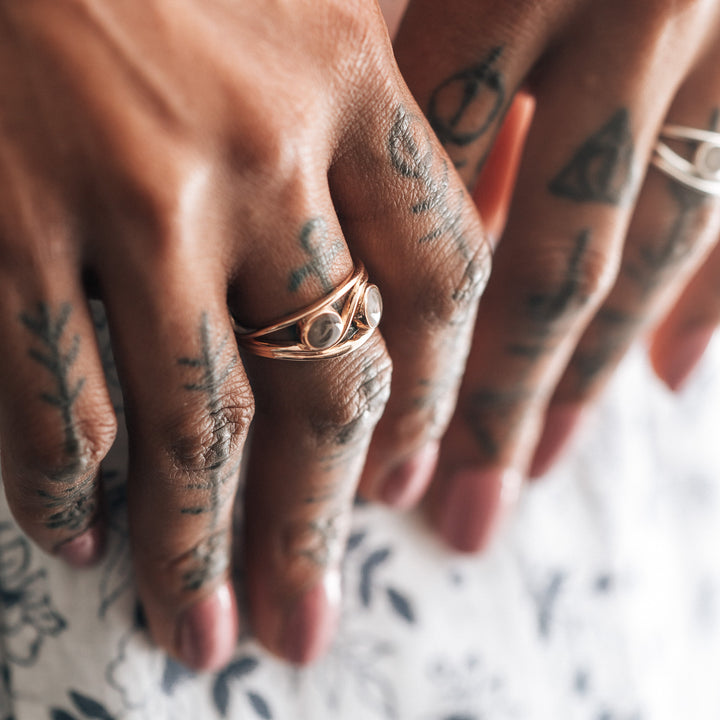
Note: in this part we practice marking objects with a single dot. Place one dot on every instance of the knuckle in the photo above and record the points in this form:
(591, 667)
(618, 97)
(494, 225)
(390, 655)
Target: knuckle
(451, 292)
(211, 437)
(566, 285)
(351, 406)
(190, 567)
(61, 454)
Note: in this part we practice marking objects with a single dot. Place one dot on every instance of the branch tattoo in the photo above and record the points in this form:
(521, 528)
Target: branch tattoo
(72, 502)
(212, 368)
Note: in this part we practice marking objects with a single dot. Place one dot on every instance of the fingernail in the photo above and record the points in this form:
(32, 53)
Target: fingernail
(684, 356)
(310, 624)
(83, 550)
(207, 632)
(475, 503)
(404, 486)
(561, 422)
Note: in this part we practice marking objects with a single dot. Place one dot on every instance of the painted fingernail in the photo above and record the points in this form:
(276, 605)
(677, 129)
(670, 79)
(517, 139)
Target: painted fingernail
(207, 632)
(83, 550)
(684, 356)
(476, 501)
(404, 486)
(561, 422)
(310, 624)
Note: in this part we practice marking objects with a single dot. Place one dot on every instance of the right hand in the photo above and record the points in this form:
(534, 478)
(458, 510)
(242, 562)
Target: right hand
(180, 157)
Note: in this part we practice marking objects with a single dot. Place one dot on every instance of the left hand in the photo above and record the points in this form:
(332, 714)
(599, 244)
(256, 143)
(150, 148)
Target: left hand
(598, 243)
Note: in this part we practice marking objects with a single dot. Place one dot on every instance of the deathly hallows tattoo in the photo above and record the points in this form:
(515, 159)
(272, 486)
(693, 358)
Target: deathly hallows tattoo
(466, 105)
(600, 170)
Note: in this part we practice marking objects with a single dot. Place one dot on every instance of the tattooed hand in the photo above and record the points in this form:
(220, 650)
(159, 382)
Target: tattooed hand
(598, 242)
(185, 160)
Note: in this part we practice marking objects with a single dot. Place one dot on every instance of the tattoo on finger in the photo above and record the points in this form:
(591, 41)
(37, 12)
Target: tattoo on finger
(57, 353)
(466, 105)
(211, 369)
(314, 242)
(601, 169)
(441, 207)
(547, 312)
(486, 409)
(71, 500)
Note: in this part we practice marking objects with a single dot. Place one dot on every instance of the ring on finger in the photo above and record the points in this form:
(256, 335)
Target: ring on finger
(702, 173)
(337, 324)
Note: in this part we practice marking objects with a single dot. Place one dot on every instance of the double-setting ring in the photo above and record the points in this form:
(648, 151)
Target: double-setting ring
(337, 324)
(702, 173)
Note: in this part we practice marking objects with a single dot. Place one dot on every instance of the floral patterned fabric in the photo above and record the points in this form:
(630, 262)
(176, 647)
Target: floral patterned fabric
(599, 600)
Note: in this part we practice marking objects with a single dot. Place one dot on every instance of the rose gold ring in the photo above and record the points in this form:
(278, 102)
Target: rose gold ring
(337, 324)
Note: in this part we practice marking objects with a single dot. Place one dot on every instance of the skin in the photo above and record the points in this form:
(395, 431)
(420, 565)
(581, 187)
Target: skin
(241, 162)
(182, 161)
(593, 247)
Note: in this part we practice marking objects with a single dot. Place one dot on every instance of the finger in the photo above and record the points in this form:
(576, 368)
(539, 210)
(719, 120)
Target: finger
(56, 419)
(680, 341)
(465, 81)
(312, 426)
(188, 409)
(494, 189)
(556, 262)
(417, 230)
(673, 229)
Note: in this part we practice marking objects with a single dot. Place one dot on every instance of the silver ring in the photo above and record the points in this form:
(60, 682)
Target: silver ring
(702, 173)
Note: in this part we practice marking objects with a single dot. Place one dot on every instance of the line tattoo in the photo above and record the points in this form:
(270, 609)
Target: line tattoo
(466, 105)
(486, 407)
(212, 368)
(57, 355)
(314, 241)
(546, 310)
(412, 156)
(601, 169)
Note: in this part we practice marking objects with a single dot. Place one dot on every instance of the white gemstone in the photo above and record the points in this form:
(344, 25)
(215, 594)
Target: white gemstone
(324, 331)
(373, 306)
(708, 161)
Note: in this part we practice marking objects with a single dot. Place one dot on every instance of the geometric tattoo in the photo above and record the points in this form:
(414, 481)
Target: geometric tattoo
(601, 169)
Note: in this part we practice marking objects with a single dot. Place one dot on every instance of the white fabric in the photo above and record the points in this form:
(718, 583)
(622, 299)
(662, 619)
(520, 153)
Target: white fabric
(599, 600)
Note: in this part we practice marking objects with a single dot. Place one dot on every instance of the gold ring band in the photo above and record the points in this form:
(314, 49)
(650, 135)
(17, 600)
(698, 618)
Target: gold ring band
(702, 173)
(335, 325)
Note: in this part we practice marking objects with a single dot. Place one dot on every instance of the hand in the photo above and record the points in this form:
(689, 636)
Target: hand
(598, 243)
(179, 158)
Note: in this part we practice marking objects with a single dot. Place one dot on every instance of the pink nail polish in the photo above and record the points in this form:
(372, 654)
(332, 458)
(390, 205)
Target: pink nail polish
(310, 624)
(84, 550)
(207, 632)
(475, 503)
(684, 356)
(561, 422)
(404, 486)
